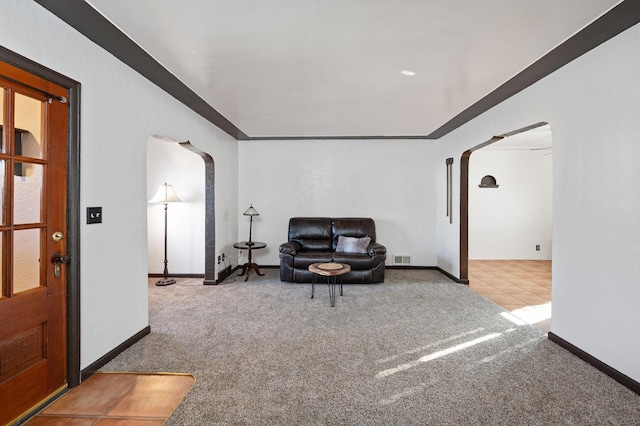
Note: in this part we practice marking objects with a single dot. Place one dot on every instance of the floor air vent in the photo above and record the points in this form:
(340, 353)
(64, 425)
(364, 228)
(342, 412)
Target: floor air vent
(401, 259)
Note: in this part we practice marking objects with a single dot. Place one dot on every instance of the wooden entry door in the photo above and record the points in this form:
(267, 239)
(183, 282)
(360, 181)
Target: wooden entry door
(33, 197)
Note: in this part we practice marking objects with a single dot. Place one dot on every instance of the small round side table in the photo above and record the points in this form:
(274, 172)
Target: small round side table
(249, 266)
(333, 271)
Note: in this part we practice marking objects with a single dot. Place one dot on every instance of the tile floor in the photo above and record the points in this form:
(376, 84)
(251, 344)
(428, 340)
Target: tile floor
(118, 399)
(522, 287)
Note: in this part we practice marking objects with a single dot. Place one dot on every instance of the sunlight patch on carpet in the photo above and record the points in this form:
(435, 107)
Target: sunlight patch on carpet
(437, 355)
(529, 314)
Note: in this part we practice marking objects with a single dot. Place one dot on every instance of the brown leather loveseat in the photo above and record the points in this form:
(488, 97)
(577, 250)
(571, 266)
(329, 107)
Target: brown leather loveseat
(350, 241)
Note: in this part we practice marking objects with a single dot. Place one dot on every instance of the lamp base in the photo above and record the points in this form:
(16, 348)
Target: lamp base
(166, 281)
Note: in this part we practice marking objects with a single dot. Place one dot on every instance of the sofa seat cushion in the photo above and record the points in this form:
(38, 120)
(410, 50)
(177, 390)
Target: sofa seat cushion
(357, 261)
(306, 258)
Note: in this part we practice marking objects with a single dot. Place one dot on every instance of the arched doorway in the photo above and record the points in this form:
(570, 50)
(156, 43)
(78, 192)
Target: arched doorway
(505, 229)
(210, 213)
(204, 205)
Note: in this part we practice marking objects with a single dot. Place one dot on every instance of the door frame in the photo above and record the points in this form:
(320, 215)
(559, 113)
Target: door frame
(209, 213)
(73, 204)
(464, 198)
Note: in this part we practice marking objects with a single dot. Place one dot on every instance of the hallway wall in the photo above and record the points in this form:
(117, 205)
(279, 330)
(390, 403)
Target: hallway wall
(119, 111)
(509, 221)
(592, 107)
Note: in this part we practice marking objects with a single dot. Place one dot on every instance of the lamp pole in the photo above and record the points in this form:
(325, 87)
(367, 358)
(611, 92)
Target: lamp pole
(166, 280)
(165, 195)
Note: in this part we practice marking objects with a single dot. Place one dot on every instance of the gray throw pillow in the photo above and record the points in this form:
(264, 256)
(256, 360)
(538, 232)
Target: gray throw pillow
(352, 245)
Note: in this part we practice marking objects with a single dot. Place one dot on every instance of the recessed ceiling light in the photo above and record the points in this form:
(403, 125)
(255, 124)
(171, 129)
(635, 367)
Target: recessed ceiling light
(407, 72)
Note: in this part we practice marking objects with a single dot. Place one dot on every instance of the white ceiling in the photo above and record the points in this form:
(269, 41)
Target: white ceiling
(304, 68)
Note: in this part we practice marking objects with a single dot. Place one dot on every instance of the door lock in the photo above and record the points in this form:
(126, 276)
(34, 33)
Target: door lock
(58, 260)
(57, 236)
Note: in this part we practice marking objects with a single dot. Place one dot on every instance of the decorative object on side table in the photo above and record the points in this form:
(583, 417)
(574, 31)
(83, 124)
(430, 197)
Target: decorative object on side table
(251, 212)
(165, 195)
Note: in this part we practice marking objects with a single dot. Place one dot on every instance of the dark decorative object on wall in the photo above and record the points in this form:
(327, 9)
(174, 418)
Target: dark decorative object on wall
(449, 163)
(488, 182)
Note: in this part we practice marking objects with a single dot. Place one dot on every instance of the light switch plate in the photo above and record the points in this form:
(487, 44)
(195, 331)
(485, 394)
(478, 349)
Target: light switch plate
(94, 215)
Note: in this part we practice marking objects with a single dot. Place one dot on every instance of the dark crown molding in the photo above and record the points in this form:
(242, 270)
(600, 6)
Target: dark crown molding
(97, 28)
(620, 18)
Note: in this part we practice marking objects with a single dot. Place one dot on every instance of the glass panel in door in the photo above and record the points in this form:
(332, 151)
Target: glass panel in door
(27, 193)
(26, 259)
(2, 96)
(3, 286)
(28, 126)
(3, 186)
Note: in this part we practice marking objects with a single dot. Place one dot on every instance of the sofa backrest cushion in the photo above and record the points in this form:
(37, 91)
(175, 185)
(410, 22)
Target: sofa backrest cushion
(352, 227)
(313, 233)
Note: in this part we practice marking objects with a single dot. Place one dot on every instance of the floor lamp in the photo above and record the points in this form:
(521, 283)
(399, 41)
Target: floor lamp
(165, 195)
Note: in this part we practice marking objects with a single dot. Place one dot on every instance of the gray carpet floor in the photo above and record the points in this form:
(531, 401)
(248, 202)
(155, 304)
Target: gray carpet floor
(418, 349)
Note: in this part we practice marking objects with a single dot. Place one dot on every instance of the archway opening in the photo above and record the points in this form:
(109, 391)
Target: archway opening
(506, 221)
(190, 230)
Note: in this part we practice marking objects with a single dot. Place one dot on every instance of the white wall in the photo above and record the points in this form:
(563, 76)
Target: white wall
(120, 110)
(394, 182)
(509, 221)
(592, 107)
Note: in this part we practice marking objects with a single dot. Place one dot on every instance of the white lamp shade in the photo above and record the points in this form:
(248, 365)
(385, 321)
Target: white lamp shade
(165, 194)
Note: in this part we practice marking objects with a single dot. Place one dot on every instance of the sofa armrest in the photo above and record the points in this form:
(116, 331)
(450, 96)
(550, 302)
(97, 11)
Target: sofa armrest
(290, 247)
(376, 248)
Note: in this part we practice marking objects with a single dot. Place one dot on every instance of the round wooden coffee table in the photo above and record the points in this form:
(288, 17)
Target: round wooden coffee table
(333, 271)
